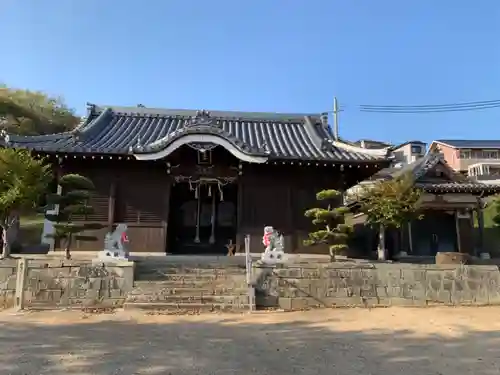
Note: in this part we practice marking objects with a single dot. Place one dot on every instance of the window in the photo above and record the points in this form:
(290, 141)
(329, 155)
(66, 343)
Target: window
(416, 149)
(490, 154)
(465, 154)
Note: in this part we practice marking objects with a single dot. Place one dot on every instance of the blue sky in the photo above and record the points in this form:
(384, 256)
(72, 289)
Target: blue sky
(266, 55)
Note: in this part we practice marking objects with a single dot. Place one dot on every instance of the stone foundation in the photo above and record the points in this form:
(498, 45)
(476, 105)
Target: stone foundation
(296, 287)
(67, 284)
(7, 283)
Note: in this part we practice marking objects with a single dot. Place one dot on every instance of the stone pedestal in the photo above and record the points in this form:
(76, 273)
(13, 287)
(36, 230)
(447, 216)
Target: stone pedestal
(452, 258)
(272, 257)
(117, 255)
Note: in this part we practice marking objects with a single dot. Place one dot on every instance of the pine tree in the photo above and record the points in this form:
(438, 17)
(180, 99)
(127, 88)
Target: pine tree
(72, 202)
(390, 204)
(335, 232)
(496, 212)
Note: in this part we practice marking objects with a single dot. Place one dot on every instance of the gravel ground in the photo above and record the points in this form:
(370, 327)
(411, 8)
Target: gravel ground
(445, 341)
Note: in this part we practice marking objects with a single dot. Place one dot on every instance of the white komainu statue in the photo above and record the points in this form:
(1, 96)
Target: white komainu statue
(115, 244)
(274, 252)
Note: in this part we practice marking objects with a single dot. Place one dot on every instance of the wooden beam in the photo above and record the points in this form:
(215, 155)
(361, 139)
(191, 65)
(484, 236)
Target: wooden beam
(111, 205)
(457, 228)
(166, 212)
(240, 237)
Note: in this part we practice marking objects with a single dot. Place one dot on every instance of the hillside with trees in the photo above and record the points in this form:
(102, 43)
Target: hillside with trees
(27, 112)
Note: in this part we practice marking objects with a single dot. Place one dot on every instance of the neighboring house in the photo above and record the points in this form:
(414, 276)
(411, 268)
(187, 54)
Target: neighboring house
(371, 144)
(479, 159)
(448, 202)
(408, 152)
(402, 154)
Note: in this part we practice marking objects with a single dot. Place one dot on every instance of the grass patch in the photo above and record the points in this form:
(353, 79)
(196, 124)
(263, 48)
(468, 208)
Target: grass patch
(31, 228)
(29, 220)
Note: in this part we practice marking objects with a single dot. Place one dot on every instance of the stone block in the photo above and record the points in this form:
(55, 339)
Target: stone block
(288, 272)
(6, 273)
(369, 276)
(418, 292)
(285, 303)
(434, 280)
(341, 302)
(267, 301)
(461, 297)
(403, 302)
(413, 275)
(452, 258)
(299, 303)
(448, 284)
(444, 296)
(481, 296)
(382, 292)
(368, 291)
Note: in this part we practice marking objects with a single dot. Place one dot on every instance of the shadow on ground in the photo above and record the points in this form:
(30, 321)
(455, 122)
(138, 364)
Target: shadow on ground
(228, 346)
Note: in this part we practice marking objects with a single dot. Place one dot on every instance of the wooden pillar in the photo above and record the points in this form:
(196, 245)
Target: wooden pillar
(293, 203)
(457, 228)
(166, 212)
(111, 205)
(483, 254)
(410, 238)
(240, 236)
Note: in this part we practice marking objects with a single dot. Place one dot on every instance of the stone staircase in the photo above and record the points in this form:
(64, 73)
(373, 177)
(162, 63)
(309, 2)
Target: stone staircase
(190, 285)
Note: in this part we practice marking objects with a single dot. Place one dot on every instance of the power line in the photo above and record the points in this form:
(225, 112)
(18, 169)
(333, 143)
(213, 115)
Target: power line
(432, 106)
(429, 109)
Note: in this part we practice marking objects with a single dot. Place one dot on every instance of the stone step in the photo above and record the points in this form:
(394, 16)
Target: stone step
(192, 283)
(183, 308)
(174, 268)
(201, 299)
(159, 275)
(191, 268)
(188, 291)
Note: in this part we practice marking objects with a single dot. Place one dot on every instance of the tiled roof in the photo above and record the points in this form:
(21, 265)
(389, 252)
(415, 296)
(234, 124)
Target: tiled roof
(418, 169)
(467, 143)
(459, 187)
(136, 130)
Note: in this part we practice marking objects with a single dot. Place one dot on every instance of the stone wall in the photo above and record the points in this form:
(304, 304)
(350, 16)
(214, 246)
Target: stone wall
(7, 283)
(296, 287)
(69, 284)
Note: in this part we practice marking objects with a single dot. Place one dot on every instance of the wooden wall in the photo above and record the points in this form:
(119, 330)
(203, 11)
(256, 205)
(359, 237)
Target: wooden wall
(127, 192)
(137, 193)
(278, 195)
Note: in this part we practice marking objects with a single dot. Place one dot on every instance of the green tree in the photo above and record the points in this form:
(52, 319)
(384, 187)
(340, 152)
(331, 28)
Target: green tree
(335, 232)
(72, 203)
(388, 205)
(28, 112)
(23, 181)
(492, 212)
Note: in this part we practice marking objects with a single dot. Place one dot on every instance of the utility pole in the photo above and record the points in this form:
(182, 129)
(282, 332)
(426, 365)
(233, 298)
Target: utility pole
(335, 118)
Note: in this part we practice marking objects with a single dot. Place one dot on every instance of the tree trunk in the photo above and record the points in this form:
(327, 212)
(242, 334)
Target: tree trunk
(13, 231)
(5, 242)
(381, 251)
(332, 254)
(67, 248)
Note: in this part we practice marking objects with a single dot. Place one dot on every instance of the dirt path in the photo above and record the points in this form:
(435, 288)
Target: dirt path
(445, 341)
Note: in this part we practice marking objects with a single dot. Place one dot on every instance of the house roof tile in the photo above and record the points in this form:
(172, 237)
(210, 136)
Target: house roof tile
(125, 130)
